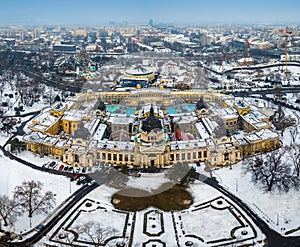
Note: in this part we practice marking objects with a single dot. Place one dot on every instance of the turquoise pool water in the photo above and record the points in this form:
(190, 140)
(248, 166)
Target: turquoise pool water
(184, 108)
(188, 107)
(112, 108)
(171, 111)
(129, 111)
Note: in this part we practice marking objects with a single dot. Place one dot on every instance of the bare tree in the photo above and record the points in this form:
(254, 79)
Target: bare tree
(181, 173)
(294, 155)
(294, 133)
(9, 210)
(270, 171)
(115, 178)
(94, 232)
(67, 238)
(31, 198)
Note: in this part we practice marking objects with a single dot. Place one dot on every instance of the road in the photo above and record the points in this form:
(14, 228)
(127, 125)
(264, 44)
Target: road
(274, 239)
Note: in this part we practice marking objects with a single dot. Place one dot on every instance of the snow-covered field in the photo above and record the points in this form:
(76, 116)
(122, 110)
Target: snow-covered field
(279, 209)
(14, 173)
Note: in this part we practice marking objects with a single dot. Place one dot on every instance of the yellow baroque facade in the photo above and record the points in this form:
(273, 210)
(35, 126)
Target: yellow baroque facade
(151, 127)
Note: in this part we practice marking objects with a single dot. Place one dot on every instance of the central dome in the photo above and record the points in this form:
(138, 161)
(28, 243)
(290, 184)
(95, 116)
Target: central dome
(151, 122)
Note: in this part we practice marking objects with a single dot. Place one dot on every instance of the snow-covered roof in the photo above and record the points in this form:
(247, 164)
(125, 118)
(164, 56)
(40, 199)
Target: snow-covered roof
(121, 146)
(245, 59)
(45, 118)
(39, 127)
(34, 137)
(261, 125)
(61, 143)
(49, 140)
(91, 126)
(209, 125)
(121, 119)
(73, 115)
(252, 137)
(227, 113)
(266, 134)
(251, 118)
(139, 70)
(184, 118)
(99, 132)
(241, 104)
(201, 130)
(58, 106)
(190, 144)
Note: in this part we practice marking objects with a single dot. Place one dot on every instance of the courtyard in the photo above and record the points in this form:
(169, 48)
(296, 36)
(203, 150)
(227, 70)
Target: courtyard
(151, 226)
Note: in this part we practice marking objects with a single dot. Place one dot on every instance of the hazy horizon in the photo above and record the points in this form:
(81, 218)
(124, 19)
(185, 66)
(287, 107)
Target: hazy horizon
(93, 12)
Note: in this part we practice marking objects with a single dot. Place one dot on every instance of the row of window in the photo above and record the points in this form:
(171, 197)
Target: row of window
(74, 125)
(114, 157)
(188, 156)
(117, 128)
(231, 123)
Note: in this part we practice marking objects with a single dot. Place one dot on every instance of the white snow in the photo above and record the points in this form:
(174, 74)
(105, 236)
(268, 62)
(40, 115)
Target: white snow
(14, 173)
(279, 209)
(273, 207)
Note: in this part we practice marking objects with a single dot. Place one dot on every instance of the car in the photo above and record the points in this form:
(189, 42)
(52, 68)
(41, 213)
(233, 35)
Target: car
(77, 169)
(76, 176)
(83, 169)
(81, 180)
(85, 180)
(61, 167)
(70, 169)
(52, 164)
(39, 227)
(90, 169)
(96, 165)
(65, 168)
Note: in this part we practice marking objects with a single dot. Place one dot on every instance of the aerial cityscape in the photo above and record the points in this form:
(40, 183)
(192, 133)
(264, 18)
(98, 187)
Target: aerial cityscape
(149, 123)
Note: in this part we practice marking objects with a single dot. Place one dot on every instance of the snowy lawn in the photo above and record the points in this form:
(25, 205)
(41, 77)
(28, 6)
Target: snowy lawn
(279, 210)
(14, 173)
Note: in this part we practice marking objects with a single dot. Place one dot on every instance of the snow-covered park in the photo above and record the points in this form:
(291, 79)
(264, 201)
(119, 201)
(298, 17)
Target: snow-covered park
(213, 219)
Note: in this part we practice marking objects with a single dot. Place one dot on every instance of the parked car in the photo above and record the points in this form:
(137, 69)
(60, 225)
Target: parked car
(39, 227)
(83, 170)
(81, 180)
(76, 176)
(52, 164)
(65, 168)
(61, 167)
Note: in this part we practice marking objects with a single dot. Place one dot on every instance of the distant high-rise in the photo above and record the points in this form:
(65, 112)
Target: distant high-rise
(150, 22)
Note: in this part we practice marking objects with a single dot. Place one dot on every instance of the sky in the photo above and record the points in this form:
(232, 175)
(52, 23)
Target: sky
(94, 12)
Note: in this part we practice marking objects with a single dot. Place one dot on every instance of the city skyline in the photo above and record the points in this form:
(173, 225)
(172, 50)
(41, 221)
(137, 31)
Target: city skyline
(33, 12)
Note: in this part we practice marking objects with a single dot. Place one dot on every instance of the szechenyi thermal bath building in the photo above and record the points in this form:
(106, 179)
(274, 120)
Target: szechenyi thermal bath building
(151, 128)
